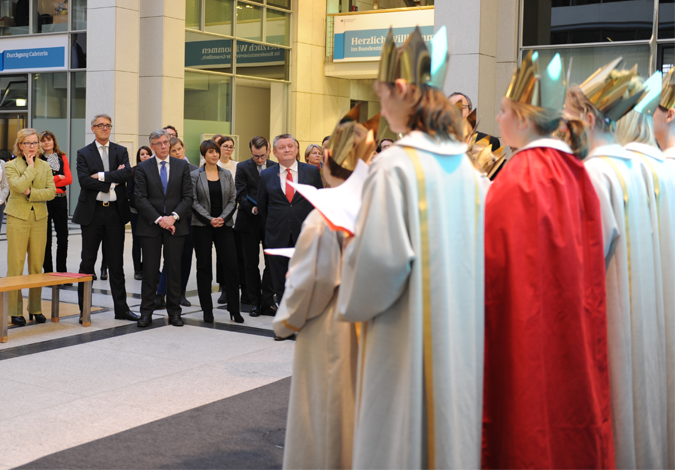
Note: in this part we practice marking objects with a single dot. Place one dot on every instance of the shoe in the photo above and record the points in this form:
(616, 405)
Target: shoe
(138, 275)
(175, 320)
(208, 317)
(80, 320)
(184, 302)
(39, 318)
(128, 315)
(270, 311)
(104, 274)
(93, 277)
(255, 311)
(279, 338)
(19, 321)
(236, 318)
(145, 320)
(160, 303)
(223, 298)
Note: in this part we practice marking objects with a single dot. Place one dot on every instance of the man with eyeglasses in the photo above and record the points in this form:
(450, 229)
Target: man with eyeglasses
(163, 191)
(282, 209)
(102, 210)
(467, 107)
(252, 229)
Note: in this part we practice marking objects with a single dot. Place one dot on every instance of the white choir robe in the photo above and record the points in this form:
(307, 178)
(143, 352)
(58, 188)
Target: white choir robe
(664, 174)
(382, 287)
(319, 431)
(635, 315)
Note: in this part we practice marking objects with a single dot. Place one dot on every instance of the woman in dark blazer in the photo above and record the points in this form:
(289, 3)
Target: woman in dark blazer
(214, 203)
(142, 155)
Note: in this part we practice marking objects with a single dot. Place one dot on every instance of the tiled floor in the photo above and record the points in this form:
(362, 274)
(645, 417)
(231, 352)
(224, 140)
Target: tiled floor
(70, 395)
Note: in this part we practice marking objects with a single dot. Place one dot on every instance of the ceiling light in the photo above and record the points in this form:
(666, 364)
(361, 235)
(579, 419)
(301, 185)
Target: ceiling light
(20, 102)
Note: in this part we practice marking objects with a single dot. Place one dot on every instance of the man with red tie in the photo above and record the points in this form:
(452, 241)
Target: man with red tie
(282, 209)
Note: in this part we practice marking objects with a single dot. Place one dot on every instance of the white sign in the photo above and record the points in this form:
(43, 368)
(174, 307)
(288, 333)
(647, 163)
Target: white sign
(34, 54)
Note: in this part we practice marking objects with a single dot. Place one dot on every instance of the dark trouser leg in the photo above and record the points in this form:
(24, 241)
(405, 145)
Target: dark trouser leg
(173, 247)
(152, 254)
(92, 235)
(250, 247)
(136, 243)
(161, 288)
(47, 266)
(278, 268)
(242, 268)
(203, 241)
(186, 259)
(60, 217)
(113, 247)
(227, 253)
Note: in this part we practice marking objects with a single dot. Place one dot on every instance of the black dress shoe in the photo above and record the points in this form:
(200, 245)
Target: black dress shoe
(270, 311)
(38, 317)
(160, 303)
(19, 321)
(208, 317)
(255, 311)
(223, 298)
(104, 274)
(184, 302)
(93, 277)
(175, 320)
(144, 321)
(128, 315)
(236, 318)
(279, 338)
(138, 275)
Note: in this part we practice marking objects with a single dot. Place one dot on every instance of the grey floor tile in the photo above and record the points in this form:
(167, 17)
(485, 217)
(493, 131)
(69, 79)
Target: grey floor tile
(28, 399)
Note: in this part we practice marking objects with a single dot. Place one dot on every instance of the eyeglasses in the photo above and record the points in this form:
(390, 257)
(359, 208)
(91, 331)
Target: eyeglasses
(227, 147)
(103, 126)
(29, 144)
(259, 156)
(162, 143)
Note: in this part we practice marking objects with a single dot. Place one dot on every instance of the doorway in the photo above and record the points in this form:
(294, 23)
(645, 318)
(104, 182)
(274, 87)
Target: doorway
(10, 124)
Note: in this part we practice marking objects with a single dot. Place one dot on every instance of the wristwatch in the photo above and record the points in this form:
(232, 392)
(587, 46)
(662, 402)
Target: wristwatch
(175, 216)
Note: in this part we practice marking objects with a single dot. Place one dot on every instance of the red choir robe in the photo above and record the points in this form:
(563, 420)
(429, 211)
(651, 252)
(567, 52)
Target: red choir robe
(546, 390)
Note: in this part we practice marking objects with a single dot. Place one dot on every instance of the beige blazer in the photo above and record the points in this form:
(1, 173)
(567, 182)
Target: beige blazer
(41, 183)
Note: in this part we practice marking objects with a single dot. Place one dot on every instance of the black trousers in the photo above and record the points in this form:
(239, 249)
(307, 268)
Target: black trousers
(136, 243)
(279, 268)
(205, 237)
(152, 254)
(58, 213)
(261, 294)
(106, 226)
(185, 264)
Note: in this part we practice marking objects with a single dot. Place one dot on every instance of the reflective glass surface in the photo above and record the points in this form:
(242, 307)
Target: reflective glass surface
(666, 19)
(78, 52)
(257, 60)
(78, 127)
(667, 58)
(278, 27)
(218, 16)
(50, 105)
(13, 92)
(206, 52)
(586, 21)
(14, 16)
(50, 16)
(79, 21)
(279, 3)
(249, 21)
(193, 14)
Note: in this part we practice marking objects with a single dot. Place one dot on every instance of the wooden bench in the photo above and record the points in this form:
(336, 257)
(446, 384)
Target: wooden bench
(9, 284)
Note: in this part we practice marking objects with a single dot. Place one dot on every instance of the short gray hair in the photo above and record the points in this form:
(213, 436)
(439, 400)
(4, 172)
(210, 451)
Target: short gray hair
(156, 134)
(105, 116)
(282, 136)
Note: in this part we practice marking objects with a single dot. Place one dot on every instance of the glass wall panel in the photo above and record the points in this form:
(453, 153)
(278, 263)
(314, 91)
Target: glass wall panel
(50, 16)
(589, 59)
(582, 21)
(10, 124)
(206, 52)
(14, 16)
(666, 19)
(278, 26)
(193, 14)
(208, 109)
(14, 92)
(249, 21)
(49, 110)
(78, 127)
(667, 57)
(79, 21)
(262, 61)
(78, 53)
(284, 4)
(218, 16)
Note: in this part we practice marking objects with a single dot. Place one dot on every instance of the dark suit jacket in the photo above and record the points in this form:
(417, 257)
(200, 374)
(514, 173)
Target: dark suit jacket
(89, 162)
(284, 219)
(246, 181)
(151, 200)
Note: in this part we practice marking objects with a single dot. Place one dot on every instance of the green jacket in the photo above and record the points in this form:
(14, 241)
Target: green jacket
(41, 183)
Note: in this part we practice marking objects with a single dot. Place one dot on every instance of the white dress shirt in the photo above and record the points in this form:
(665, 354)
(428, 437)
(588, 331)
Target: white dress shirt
(231, 166)
(159, 170)
(111, 195)
(283, 171)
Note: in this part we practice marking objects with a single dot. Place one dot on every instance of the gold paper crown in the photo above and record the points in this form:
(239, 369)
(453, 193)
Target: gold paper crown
(613, 92)
(352, 141)
(413, 62)
(530, 86)
(668, 90)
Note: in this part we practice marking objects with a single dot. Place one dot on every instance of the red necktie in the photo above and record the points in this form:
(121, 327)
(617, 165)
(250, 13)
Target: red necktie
(289, 189)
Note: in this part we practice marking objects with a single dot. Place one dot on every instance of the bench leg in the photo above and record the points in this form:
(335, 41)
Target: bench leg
(86, 307)
(55, 303)
(4, 306)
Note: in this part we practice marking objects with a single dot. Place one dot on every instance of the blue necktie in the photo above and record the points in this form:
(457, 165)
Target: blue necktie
(162, 175)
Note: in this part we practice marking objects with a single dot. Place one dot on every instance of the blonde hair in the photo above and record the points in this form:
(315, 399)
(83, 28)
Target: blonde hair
(635, 127)
(309, 149)
(581, 105)
(21, 136)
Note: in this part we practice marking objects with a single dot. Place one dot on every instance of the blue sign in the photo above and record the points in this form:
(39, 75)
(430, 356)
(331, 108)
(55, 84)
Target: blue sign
(219, 52)
(39, 58)
(368, 43)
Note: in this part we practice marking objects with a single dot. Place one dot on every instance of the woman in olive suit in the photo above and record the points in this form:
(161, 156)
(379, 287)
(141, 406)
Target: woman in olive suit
(31, 185)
